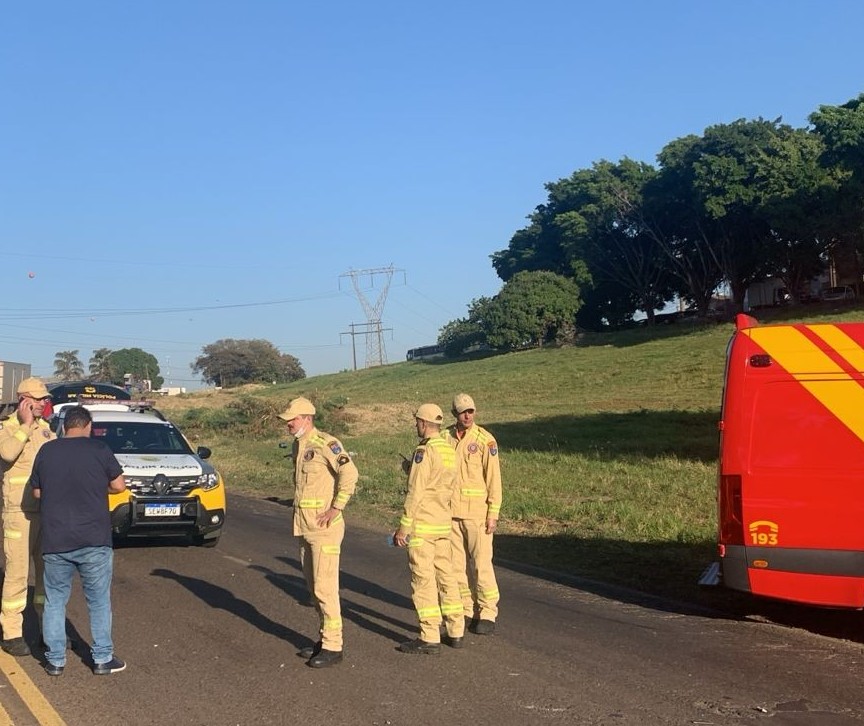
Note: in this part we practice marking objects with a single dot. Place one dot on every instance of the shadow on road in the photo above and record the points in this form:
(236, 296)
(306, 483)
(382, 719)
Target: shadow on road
(222, 599)
(618, 570)
(366, 617)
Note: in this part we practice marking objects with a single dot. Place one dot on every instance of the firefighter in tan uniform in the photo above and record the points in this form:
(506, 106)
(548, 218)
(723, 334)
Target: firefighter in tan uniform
(21, 435)
(425, 530)
(476, 506)
(324, 480)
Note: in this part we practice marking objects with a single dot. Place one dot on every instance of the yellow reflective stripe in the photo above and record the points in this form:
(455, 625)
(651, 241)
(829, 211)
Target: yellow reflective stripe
(331, 549)
(337, 518)
(463, 591)
(449, 609)
(19, 479)
(489, 594)
(473, 492)
(21, 436)
(433, 529)
(11, 534)
(836, 390)
(311, 503)
(332, 624)
(841, 343)
(406, 521)
(429, 612)
(415, 542)
(445, 451)
(494, 509)
(14, 604)
(342, 498)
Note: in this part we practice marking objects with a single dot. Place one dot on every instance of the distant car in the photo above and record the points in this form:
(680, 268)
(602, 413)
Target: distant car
(841, 292)
(170, 489)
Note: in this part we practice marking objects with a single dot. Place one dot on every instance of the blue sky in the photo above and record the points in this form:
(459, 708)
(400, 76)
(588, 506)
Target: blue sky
(173, 173)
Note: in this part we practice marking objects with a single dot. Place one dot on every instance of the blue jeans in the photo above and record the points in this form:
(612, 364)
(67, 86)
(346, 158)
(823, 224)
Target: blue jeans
(95, 565)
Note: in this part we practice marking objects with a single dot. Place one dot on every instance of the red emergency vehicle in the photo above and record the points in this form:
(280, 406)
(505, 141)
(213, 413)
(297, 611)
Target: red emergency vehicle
(791, 472)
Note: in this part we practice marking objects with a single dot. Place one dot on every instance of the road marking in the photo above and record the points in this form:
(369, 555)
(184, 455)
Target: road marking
(4, 717)
(29, 693)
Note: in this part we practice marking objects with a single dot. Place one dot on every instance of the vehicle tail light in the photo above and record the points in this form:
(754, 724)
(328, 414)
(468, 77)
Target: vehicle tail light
(731, 524)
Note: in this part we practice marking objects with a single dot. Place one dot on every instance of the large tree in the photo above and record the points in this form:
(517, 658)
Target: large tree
(841, 129)
(531, 310)
(716, 181)
(229, 362)
(602, 223)
(797, 197)
(134, 366)
(68, 366)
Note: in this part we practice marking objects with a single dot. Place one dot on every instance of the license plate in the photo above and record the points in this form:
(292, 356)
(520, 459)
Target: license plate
(161, 510)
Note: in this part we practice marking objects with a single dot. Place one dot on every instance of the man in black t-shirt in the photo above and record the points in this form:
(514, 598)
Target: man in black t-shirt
(72, 477)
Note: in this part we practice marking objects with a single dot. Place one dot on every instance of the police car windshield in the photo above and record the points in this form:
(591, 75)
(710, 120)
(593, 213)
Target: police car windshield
(141, 438)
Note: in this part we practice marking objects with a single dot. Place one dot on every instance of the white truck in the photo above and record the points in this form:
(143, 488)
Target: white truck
(11, 374)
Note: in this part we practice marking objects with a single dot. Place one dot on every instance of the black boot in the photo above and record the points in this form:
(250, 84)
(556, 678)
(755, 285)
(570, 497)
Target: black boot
(310, 650)
(325, 659)
(420, 647)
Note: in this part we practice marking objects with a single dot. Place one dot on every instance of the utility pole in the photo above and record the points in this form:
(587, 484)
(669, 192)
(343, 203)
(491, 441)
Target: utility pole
(353, 345)
(375, 353)
(369, 329)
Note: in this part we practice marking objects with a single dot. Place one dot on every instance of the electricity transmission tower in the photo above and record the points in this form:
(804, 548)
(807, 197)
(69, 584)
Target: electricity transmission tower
(375, 352)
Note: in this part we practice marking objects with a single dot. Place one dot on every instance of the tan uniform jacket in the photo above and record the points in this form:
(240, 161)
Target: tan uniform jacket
(324, 476)
(18, 447)
(478, 479)
(430, 489)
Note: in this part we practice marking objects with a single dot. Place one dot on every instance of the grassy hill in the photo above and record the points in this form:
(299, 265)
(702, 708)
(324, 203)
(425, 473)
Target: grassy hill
(608, 449)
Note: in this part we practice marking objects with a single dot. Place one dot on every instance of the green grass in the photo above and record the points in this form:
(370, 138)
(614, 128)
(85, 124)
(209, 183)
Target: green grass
(608, 449)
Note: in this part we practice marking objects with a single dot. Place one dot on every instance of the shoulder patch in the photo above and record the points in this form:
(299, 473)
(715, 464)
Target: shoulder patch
(334, 447)
(342, 460)
(418, 456)
(493, 448)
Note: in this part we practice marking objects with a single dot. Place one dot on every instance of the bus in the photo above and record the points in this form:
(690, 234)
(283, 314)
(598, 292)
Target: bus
(790, 489)
(425, 352)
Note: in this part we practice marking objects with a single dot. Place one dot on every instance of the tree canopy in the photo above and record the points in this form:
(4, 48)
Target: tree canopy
(135, 363)
(229, 362)
(742, 201)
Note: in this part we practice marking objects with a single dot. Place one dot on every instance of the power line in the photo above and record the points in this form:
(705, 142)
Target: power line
(63, 313)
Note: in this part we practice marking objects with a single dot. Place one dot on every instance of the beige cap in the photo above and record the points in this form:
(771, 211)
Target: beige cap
(430, 412)
(33, 387)
(298, 407)
(462, 402)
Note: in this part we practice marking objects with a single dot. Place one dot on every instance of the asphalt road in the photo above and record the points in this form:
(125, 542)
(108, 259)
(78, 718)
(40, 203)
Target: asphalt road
(211, 636)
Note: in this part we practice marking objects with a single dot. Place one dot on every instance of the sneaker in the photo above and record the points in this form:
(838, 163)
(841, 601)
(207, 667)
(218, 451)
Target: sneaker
(115, 665)
(420, 647)
(16, 646)
(53, 670)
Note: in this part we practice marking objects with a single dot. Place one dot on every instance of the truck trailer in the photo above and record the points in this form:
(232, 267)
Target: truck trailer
(11, 374)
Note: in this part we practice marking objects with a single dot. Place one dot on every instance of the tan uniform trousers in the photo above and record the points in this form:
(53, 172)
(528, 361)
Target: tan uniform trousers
(21, 537)
(434, 589)
(319, 557)
(472, 562)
